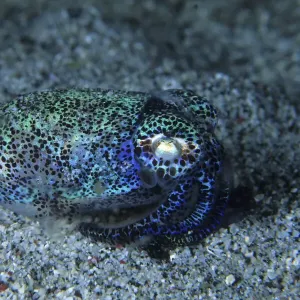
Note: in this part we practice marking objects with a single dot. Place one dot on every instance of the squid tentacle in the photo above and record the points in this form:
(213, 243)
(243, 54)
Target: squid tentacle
(153, 225)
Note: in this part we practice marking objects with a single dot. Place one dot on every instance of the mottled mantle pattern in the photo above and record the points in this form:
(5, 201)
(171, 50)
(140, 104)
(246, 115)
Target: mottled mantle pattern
(121, 166)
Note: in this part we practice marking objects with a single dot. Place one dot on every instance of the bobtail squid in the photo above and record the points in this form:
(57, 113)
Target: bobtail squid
(119, 166)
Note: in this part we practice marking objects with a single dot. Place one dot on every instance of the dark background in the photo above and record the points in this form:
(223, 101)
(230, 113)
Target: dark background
(258, 39)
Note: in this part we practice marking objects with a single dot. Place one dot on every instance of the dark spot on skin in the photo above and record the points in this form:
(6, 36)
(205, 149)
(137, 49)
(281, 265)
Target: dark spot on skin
(182, 163)
(191, 158)
(167, 163)
(185, 157)
(160, 172)
(147, 148)
(172, 171)
(138, 151)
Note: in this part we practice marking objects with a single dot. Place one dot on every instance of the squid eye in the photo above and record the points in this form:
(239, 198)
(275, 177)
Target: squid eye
(166, 148)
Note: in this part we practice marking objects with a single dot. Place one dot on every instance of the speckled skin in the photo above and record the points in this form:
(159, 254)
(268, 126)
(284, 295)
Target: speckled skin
(92, 157)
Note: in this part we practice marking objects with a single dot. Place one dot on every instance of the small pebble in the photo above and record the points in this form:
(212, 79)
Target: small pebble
(230, 280)
(259, 197)
(271, 274)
